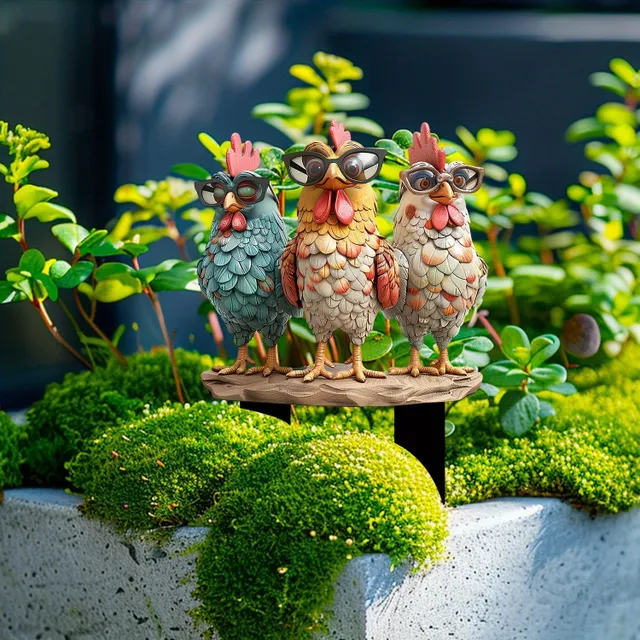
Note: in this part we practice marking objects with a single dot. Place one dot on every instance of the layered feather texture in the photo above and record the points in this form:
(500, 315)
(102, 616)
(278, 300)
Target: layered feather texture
(239, 274)
(340, 274)
(445, 275)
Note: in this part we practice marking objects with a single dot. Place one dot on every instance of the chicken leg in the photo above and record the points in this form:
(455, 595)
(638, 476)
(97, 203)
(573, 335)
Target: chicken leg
(239, 366)
(315, 370)
(442, 365)
(414, 368)
(270, 365)
(357, 369)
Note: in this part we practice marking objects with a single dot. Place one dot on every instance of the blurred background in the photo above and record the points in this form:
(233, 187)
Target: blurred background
(123, 88)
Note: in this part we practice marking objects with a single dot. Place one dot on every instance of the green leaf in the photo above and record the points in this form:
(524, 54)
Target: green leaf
(149, 273)
(615, 113)
(306, 74)
(300, 328)
(628, 198)
(110, 269)
(502, 154)
(489, 390)
(48, 212)
(181, 277)
(134, 249)
(519, 411)
(563, 389)
(503, 374)
(148, 234)
(608, 81)
(49, 285)
(542, 348)
(132, 193)
(549, 374)
(205, 308)
(190, 170)
(349, 101)
(515, 345)
(584, 129)
(546, 409)
(479, 343)
(499, 285)
(403, 138)
(539, 273)
(92, 241)
(267, 109)
(625, 72)
(32, 261)
(70, 235)
(376, 346)
(68, 277)
(9, 294)
(518, 185)
(117, 287)
(364, 125)
(449, 428)
(30, 195)
(8, 226)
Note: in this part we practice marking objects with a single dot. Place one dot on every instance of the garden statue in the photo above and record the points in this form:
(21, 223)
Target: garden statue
(238, 271)
(445, 277)
(337, 267)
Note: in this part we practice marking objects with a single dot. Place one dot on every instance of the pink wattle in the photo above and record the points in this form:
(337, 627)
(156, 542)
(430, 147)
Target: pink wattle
(238, 222)
(344, 208)
(322, 208)
(444, 215)
(225, 223)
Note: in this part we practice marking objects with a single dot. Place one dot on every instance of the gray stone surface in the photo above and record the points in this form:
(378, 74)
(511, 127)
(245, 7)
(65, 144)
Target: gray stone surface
(518, 568)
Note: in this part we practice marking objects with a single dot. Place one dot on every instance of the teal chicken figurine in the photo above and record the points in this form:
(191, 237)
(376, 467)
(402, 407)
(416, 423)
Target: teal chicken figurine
(238, 271)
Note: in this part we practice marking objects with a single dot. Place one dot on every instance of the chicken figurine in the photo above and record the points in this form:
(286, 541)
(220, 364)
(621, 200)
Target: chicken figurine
(444, 275)
(337, 267)
(238, 271)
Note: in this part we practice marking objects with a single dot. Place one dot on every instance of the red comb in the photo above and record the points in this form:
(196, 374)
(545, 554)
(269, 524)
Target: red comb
(425, 149)
(338, 134)
(239, 159)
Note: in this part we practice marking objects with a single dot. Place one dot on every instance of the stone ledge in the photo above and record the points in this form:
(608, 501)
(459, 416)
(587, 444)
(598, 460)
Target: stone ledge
(530, 568)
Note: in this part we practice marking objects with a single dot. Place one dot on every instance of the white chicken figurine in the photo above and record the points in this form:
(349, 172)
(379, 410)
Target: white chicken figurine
(444, 275)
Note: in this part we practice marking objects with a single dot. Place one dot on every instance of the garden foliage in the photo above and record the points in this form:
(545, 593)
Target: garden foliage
(11, 452)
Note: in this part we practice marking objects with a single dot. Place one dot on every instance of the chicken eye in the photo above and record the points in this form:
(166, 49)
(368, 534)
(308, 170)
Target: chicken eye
(213, 194)
(315, 168)
(423, 180)
(247, 191)
(352, 167)
(465, 179)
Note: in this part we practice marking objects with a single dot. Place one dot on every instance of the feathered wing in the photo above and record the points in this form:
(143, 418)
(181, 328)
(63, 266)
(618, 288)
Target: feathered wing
(403, 267)
(288, 279)
(388, 281)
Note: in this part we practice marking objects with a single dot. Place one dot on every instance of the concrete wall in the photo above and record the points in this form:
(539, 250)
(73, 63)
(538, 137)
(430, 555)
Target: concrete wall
(518, 568)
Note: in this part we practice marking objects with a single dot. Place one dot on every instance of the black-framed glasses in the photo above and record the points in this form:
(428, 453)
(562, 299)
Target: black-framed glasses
(309, 167)
(424, 178)
(249, 190)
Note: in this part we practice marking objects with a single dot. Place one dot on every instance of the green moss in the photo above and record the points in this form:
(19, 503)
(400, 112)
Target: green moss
(11, 437)
(86, 403)
(289, 520)
(375, 420)
(166, 468)
(624, 367)
(589, 453)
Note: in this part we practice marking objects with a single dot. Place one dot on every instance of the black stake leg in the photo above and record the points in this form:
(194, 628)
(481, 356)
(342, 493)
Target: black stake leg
(280, 411)
(419, 428)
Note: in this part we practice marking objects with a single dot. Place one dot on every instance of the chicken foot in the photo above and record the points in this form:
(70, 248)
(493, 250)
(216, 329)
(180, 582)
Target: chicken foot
(239, 366)
(357, 369)
(414, 367)
(318, 369)
(270, 365)
(442, 365)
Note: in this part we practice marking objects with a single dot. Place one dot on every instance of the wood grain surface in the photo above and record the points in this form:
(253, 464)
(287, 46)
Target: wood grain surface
(388, 392)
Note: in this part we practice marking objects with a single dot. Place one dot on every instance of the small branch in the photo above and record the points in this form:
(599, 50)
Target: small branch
(116, 352)
(262, 353)
(23, 239)
(174, 234)
(53, 330)
(482, 317)
(282, 202)
(335, 354)
(216, 332)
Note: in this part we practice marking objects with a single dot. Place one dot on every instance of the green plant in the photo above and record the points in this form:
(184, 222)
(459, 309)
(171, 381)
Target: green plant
(523, 375)
(11, 442)
(165, 467)
(60, 424)
(588, 453)
(290, 519)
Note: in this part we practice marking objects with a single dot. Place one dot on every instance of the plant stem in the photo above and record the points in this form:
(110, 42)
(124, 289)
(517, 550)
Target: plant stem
(174, 234)
(216, 332)
(335, 354)
(262, 353)
(116, 352)
(492, 235)
(318, 123)
(489, 327)
(157, 307)
(282, 202)
(23, 240)
(53, 330)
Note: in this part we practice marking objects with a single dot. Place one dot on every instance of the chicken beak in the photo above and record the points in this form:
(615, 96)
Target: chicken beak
(333, 179)
(443, 194)
(230, 203)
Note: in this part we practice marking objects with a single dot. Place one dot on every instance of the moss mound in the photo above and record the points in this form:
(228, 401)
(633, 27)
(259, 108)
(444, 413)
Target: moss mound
(289, 520)
(166, 468)
(589, 453)
(375, 420)
(11, 441)
(612, 372)
(72, 411)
